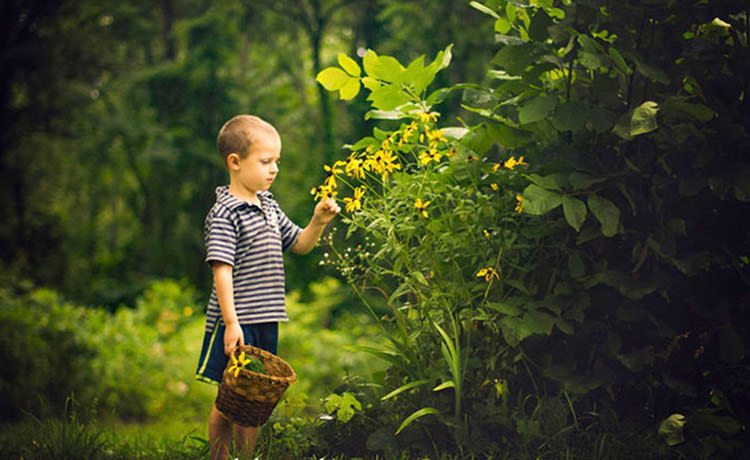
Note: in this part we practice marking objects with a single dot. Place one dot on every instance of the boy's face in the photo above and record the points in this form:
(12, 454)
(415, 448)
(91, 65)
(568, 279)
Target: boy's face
(257, 171)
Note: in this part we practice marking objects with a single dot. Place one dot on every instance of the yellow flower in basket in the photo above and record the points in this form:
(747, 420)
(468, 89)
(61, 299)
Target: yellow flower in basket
(238, 363)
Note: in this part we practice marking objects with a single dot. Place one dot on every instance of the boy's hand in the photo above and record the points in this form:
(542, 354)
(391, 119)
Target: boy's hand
(325, 211)
(232, 336)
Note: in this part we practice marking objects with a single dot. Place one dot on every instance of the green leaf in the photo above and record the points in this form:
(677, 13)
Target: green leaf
(350, 89)
(502, 75)
(505, 308)
(350, 65)
(385, 115)
(332, 78)
(570, 116)
(574, 211)
(551, 182)
(640, 120)
(444, 385)
(671, 428)
(484, 9)
(387, 98)
(419, 413)
(538, 201)
(580, 181)
(515, 58)
(652, 73)
(537, 109)
(370, 83)
(589, 60)
(619, 61)
(502, 25)
(538, 27)
(437, 96)
(405, 387)
(385, 68)
(420, 278)
(606, 212)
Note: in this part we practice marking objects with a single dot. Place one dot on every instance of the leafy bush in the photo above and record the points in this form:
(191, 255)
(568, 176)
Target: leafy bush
(44, 356)
(600, 293)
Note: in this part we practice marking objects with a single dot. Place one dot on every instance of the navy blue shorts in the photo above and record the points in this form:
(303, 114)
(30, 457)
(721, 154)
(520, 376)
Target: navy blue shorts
(213, 361)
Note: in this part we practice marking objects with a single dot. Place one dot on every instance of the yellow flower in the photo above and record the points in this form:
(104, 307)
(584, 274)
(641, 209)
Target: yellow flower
(353, 167)
(388, 164)
(428, 156)
(238, 363)
(494, 186)
(488, 273)
(422, 207)
(323, 192)
(355, 203)
(519, 205)
(331, 173)
(408, 131)
(511, 162)
(486, 234)
(496, 167)
(187, 311)
(435, 137)
(424, 117)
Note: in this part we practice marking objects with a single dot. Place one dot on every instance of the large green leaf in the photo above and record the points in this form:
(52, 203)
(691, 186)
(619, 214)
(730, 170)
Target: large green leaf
(515, 58)
(537, 109)
(387, 97)
(574, 211)
(384, 68)
(332, 78)
(538, 27)
(538, 201)
(606, 212)
(570, 116)
(640, 120)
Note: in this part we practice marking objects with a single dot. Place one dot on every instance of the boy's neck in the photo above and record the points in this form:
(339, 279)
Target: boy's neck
(244, 194)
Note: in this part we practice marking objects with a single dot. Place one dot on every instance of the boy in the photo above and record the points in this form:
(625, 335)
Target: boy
(245, 234)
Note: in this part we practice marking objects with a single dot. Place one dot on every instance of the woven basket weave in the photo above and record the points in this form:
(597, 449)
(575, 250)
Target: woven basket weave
(249, 398)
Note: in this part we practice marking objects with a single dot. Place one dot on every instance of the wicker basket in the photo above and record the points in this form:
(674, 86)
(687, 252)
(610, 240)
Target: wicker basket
(249, 398)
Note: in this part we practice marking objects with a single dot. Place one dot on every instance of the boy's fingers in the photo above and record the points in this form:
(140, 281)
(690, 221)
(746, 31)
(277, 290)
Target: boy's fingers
(331, 206)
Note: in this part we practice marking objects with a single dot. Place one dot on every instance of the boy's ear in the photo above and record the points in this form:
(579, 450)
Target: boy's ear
(233, 161)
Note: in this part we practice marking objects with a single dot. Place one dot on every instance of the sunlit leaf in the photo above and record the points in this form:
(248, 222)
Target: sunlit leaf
(349, 64)
(640, 120)
(332, 78)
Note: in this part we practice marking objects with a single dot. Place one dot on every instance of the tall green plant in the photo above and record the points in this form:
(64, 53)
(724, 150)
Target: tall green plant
(442, 236)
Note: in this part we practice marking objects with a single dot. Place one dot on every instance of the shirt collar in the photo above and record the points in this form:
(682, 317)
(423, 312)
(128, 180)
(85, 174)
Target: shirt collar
(231, 202)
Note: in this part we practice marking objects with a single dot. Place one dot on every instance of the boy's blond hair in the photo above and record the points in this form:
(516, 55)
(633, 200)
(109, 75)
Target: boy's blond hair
(238, 134)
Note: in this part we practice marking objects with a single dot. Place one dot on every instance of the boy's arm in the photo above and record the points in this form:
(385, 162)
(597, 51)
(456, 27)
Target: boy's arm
(225, 296)
(324, 212)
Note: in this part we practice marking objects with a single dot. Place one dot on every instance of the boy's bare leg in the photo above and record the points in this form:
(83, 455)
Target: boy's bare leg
(219, 435)
(244, 438)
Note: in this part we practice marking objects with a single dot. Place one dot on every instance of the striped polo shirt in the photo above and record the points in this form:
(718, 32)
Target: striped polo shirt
(251, 239)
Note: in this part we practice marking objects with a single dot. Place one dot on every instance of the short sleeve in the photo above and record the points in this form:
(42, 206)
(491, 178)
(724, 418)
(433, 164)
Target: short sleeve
(289, 230)
(221, 238)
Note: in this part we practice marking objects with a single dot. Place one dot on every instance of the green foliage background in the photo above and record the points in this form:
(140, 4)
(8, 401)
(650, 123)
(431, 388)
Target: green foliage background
(616, 326)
